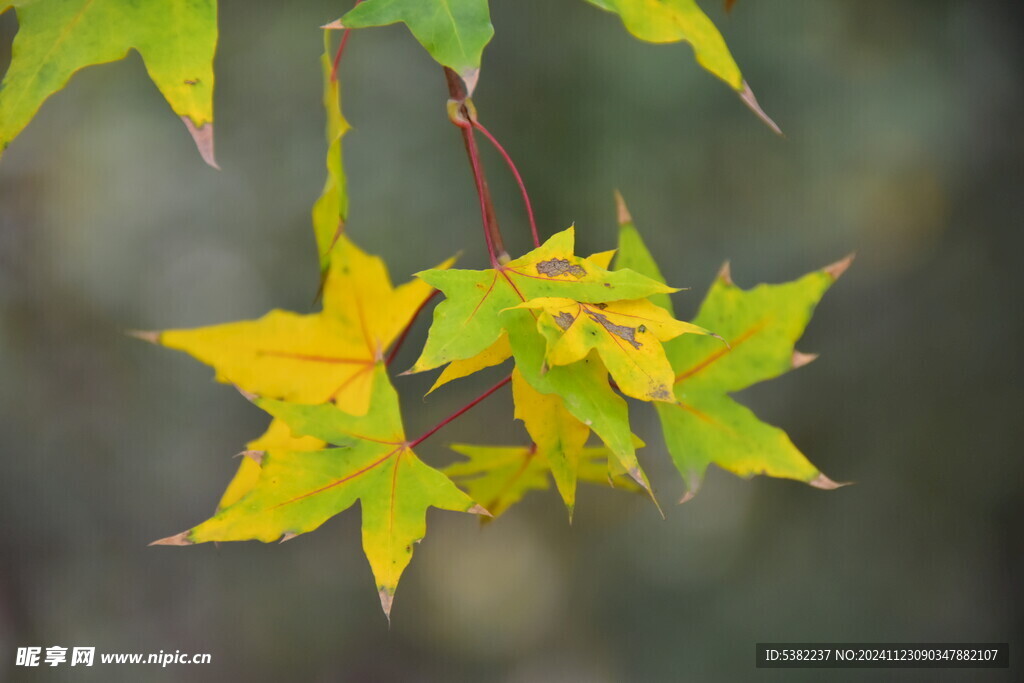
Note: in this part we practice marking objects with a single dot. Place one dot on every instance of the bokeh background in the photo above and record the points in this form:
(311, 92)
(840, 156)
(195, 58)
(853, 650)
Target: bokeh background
(904, 144)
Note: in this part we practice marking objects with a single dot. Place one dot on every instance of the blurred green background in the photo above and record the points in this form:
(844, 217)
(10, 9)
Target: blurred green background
(904, 143)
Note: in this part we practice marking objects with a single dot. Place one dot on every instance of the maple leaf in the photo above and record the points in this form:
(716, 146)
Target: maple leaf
(277, 437)
(331, 208)
(495, 354)
(560, 441)
(761, 326)
(670, 21)
(313, 358)
(558, 437)
(56, 38)
(500, 351)
(584, 389)
(297, 491)
(502, 475)
(474, 312)
(626, 334)
(454, 32)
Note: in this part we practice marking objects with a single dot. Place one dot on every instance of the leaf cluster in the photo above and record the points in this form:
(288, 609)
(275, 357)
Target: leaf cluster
(582, 334)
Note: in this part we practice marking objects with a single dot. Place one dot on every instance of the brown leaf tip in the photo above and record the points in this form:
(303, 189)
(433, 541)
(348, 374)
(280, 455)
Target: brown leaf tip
(255, 456)
(802, 359)
(177, 539)
(839, 267)
(249, 396)
(203, 137)
(725, 274)
(687, 497)
(287, 536)
(823, 482)
(144, 335)
(638, 477)
(478, 509)
(386, 599)
(335, 25)
(747, 95)
(657, 505)
(621, 210)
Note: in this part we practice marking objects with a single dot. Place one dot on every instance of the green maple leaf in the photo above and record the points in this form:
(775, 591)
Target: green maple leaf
(331, 209)
(297, 491)
(56, 38)
(761, 326)
(454, 32)
(671, 21)
(278, 437)
(475, 309)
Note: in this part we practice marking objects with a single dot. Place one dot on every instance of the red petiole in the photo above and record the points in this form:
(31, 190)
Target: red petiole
(458, 413)
(519, 179)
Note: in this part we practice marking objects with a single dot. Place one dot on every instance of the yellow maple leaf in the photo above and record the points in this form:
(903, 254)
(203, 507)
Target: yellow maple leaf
(626, 334)
(319, 357)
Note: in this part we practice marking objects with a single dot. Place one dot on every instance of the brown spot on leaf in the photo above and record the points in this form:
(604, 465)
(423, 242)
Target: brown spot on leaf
(560, 266)
(601, 306)
(564, 320)
(661, 393)
(621, 331)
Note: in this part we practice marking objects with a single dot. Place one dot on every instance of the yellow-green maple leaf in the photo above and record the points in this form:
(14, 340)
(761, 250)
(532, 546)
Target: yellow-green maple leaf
(278, 437)
(474, 312)
(297, 491)
(706, 425)
(176, 39)
(626, 334)
(313, 358)
(501, 350)
(501, 475)
(761, 325)
(671, 21)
